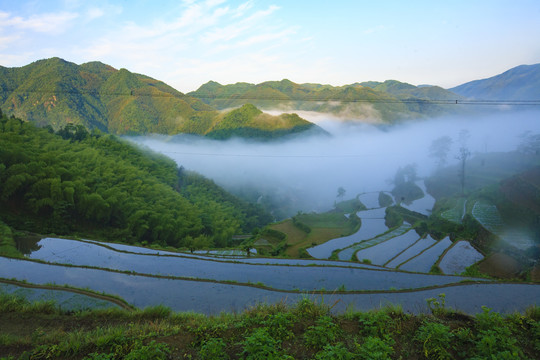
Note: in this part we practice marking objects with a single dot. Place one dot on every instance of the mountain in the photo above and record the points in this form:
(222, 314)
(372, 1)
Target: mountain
(387, 102)
(248, 121)
(519, 83)
(56, 92)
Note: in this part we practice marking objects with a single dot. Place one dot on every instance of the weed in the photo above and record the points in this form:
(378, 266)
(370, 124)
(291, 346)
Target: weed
(435, 338)
(154, 351)
(374, 323)
(260, 346)
(306, 308)
(375, 348)
(335, 352)
(438, 307)
(487, 320)
(323, 332)
(213, 348)
(279, 326)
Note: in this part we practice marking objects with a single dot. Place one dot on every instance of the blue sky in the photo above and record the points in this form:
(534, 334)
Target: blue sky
(187, 43)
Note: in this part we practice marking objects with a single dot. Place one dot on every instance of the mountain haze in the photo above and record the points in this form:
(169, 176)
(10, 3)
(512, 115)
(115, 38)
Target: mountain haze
(390, 101)
(519, 83)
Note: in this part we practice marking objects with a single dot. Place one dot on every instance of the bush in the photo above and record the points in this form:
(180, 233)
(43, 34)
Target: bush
(261, 346)
(212, 349)
(375, 348)
(323, 332)
(335, 352)
(436, 339)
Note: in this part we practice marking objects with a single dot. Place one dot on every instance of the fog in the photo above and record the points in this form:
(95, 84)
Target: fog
(305, 172)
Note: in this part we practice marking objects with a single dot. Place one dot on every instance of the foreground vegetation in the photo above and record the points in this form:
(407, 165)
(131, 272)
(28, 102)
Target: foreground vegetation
(306, 330)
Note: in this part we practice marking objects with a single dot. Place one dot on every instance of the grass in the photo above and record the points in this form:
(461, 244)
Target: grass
(324, 227)
(305, 330)
(7, 243)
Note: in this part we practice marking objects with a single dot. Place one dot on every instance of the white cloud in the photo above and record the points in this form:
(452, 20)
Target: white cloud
(95, 13)
(53, 23)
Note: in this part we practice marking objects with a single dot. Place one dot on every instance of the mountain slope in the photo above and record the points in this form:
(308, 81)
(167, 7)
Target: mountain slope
(387, 102)
(56, 92)
(97, 184)
(250, 122)
(519, 83)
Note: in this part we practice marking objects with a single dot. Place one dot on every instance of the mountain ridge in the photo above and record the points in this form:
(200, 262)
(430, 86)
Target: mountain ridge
(518, 83)
(95, 95)
(385, 102)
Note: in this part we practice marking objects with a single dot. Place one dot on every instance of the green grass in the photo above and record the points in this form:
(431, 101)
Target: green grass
(488, 215)
(455, 214)
(305, 330)
(8, 247)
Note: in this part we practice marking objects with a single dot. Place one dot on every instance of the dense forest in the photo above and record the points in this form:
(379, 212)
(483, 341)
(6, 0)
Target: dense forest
(54, 92)
(77, 182)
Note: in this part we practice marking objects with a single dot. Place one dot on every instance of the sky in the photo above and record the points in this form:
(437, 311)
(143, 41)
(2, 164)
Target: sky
(187, 43)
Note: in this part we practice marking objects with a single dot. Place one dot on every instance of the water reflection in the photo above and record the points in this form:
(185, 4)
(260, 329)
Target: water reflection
(213, 298)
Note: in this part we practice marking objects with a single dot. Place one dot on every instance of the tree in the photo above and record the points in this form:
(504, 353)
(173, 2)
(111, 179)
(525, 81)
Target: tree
(439, 149)
(341, 192)
(463, 155)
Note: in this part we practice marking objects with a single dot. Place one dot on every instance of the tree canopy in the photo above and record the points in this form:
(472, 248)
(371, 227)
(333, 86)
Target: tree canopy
(74, 181)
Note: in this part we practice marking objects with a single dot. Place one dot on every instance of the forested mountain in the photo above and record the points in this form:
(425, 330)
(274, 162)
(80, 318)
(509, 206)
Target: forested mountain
(519, 83)
(389, 101)
(95, 184)
(248, 121)
(56, 92)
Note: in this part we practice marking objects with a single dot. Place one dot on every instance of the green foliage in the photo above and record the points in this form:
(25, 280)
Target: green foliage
(260, 345)
(263, 332)
(213, 349)
(279, 326)
(7, 243)
(375, 323)
(102, 186)
(435, 339)
(153, 351)
(323, 332)
(350, 206)
(375, 348)
(335, 352)
(385, 199)
(437, 306)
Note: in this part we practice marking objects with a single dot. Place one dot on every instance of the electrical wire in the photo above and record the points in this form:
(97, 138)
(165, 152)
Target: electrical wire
(488, 102)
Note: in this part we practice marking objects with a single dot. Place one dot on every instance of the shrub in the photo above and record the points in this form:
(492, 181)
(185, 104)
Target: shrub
(374, 323)
(261, 346)
(278, 326)
(323, 332)
(154, 351)
(335, 352)
(212, 349)
(375, 348)
(435, 338)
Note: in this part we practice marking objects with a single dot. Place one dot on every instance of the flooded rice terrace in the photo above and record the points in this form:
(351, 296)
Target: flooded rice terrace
(186, 282)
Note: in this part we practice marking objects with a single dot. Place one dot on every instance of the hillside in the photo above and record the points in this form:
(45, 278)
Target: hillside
(519, 83)
(56, 92)
(96, 185)
(371, 101)
(250, 122)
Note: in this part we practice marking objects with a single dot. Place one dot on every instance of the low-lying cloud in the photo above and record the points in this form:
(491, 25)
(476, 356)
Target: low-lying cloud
(360, 157)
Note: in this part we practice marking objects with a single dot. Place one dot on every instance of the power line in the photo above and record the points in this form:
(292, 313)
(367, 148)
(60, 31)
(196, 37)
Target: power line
(285, 98)
(269, 156)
